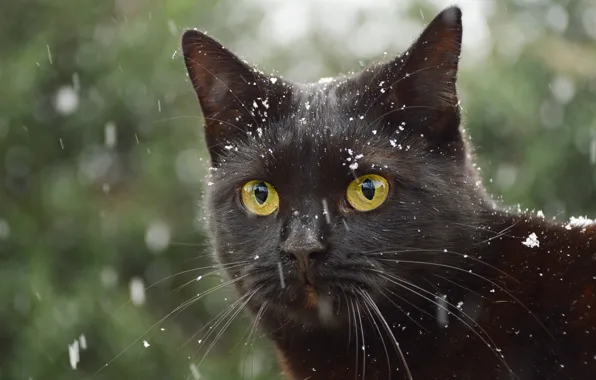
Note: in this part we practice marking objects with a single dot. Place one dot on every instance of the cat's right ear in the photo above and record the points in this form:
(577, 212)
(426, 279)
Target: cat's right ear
(418, 88)
(234, 97)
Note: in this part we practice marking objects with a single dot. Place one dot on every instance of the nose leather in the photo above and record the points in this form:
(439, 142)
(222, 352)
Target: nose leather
(303, 241)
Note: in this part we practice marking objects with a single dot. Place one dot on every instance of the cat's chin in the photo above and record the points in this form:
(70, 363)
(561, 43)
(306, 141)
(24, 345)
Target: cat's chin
(310, 308)
(318, 310)
(324, 314)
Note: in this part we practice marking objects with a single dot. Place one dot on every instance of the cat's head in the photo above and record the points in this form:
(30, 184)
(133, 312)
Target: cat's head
(316, 189)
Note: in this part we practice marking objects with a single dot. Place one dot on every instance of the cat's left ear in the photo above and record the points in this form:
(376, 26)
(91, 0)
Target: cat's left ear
(234, 97)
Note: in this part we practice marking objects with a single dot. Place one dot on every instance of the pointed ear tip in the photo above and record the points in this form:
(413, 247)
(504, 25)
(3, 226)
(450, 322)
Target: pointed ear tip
(452, 15)
(192, 35)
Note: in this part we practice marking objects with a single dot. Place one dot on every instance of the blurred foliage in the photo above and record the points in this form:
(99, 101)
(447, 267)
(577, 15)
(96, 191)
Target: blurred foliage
(102, 158)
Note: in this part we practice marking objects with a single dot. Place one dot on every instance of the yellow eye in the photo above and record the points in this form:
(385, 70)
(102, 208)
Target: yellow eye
(260, 198)
(367, 192)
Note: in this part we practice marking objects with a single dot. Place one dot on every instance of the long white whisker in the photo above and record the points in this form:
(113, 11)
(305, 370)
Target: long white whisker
(425, 250)
(396, 345)
(499, 234)
(218, 317)
(459, 285)
(228, 323)
(409, 303)
(348, 303)
(363, 341)
(482, 278)
(218, 270)
(356, 337)
(488, 340)
(178, 309)
(228, 266)
(372, 318)
(248, 343)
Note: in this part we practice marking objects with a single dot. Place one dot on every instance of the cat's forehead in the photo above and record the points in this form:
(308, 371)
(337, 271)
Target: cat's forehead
(321, 139)
(318, 100)
(325, 109)
(323, 124)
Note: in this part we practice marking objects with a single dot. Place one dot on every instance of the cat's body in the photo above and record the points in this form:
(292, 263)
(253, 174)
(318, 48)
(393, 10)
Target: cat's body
(556, 281)
(369, 247)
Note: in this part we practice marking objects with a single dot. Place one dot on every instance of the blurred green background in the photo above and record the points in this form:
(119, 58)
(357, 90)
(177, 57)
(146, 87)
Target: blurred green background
(102, 159)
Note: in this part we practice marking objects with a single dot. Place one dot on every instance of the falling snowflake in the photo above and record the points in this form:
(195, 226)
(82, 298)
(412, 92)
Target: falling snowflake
(157, 236)
(137, 291)
(73, 354)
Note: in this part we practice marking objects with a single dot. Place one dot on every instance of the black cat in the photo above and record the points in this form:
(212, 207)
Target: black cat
(369, 246)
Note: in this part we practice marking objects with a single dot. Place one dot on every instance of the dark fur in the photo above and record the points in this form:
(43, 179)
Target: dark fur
(303, 139)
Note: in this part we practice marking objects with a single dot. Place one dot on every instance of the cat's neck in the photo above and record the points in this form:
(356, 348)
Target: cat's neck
(524, 288)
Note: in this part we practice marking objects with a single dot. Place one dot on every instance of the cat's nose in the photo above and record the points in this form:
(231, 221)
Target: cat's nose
(304, 251)
(303, 245)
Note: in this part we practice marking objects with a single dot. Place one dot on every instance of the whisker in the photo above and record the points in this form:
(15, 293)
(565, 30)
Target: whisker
(501, 288)
(216, 267)
(356, 336)
(488, 340)
(226, 123)
(483, 229)
(460, 285)
(218, 270)
(190, 244)
(373, 319)
(409, 303)
(178, 309)
(349, 317)
(208, 324)
(163, 120)
(499, 234)
(200, 257)
(363, 341)
(178, 274)
(220, 319)
(220, 316)
(228, 323)
(404, 282)
(396, 345)
(465, 256)
(248, 343)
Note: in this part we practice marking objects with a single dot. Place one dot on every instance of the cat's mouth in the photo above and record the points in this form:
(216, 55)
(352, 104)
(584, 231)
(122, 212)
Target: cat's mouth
(312, 304)
(315, 295)
(310, 296)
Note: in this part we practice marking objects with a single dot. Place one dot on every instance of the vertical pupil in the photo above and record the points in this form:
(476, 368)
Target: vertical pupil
(368, 189)
(261, 192)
